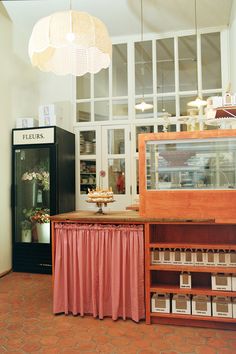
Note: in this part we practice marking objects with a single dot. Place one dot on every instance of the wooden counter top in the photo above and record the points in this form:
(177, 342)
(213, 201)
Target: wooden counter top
(120, 216)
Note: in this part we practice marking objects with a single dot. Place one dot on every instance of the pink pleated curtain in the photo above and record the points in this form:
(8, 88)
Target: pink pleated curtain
(99, 270)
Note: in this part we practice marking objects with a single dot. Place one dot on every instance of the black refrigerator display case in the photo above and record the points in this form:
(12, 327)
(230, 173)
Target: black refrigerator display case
(43, 184)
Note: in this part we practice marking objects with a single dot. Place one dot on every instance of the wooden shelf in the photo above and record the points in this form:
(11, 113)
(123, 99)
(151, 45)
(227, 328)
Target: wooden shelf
(194, 317)
(175, 289)
(189, 268)
(194, 245)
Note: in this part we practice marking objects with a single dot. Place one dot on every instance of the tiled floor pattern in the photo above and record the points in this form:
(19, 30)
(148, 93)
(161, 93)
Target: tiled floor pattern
(27, 325)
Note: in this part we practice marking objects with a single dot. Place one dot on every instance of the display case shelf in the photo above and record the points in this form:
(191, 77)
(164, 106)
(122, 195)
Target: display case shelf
(193, 246)
(175, 289)
(193, 268)
(194, 317)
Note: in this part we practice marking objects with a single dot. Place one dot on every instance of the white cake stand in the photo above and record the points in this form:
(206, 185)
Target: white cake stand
(100, 206)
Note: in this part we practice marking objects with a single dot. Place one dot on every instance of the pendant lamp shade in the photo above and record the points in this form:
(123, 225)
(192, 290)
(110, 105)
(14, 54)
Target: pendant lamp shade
(70, 42)
(198, 102)
(143, 106)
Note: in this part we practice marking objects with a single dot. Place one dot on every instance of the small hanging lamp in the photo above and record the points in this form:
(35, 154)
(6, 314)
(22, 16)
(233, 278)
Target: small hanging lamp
(143, 106)
(198, 102)
(70, 42)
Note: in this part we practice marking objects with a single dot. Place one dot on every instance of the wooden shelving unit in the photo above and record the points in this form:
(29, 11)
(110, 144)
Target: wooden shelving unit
(164, 278)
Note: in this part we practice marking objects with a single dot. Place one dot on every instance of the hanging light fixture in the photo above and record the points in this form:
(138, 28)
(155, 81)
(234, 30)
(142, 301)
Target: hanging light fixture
(70, 42)
(143, 106)
(198, 102)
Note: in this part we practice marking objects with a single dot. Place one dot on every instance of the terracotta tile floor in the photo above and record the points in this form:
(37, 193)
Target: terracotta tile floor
(27, 325)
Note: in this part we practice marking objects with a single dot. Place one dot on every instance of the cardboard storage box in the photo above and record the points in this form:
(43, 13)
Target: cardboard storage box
(234, 307)
(221, 258)
(210, 258)
(47, 121)
(221, 281)
(201, 305)
(232, 259)
(156, 256)
(26, 122)
(177, 256)
(185, 280)
(222, 306)
(168, 256)
(200, 257)
(215, 101)
(187, 256)
(47, 115)
(161, 303)
(181, 304)
(233, 279)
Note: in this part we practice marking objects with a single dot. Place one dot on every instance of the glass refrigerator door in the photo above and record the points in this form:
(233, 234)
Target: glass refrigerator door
(32, 191)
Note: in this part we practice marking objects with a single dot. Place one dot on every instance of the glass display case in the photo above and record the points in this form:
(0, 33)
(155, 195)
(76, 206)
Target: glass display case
(188, 175)
(191, 164)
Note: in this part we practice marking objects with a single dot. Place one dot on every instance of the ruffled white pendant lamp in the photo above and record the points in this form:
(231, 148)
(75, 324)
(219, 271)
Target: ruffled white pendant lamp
(70, 42)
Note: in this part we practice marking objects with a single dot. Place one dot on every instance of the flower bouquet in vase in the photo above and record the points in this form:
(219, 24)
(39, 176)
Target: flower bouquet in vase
(41, 218)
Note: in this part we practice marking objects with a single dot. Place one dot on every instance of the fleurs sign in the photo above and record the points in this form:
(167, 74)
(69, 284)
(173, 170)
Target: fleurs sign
(33, 136)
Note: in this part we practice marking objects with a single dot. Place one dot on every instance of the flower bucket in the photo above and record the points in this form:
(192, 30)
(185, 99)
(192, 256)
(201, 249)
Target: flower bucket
(26, 235)
(43, 232)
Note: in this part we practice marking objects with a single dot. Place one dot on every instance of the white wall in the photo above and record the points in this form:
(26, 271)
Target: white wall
(58, 90)
(232, 46)
(19, 96)
(22, 90)
(6, 122)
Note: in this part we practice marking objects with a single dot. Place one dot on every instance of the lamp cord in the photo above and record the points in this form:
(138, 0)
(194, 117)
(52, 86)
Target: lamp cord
(196, 33)
(142, 54)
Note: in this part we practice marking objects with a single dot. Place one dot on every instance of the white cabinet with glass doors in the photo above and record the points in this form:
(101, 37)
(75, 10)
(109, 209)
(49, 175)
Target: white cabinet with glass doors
(104, 148)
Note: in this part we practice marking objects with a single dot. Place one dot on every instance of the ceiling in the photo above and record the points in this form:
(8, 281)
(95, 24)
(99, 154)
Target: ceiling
(122, 17)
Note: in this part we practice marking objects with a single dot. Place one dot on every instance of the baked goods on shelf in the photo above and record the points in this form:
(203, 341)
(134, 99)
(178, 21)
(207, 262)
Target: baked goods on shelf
(100, 195)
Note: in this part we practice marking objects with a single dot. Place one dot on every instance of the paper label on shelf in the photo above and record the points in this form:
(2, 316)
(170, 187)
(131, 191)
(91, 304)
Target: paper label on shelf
(33, 136)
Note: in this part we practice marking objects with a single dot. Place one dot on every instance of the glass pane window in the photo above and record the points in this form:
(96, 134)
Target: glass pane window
(83, 112)
(187, 63)
(83, 86)
(120, 109)
(165, 65)
(101, 111)
(119, 70)
(88, 142)
(142, 130)
(184, 108)
(167, 105)
(116, 141)
(101, 83)
(211, 61)
(116, 175)
(87, 175)
(143, 68)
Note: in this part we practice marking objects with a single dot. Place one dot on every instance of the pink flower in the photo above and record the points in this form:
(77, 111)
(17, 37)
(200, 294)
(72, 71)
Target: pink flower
(102, 173)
